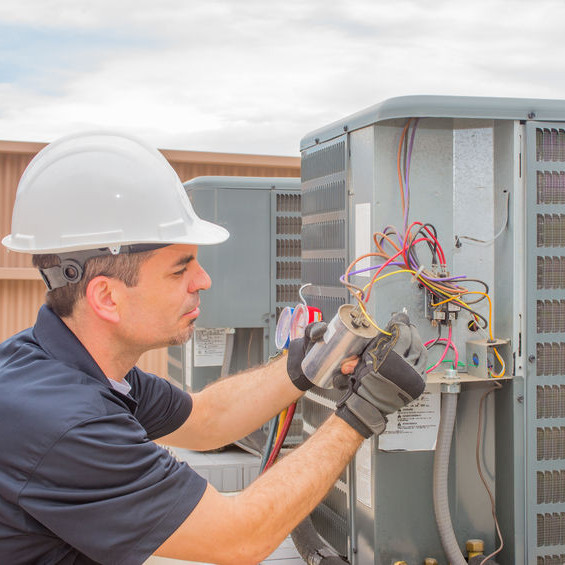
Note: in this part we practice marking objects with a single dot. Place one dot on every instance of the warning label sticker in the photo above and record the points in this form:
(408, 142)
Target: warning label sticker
(414, 427)
(209, 346)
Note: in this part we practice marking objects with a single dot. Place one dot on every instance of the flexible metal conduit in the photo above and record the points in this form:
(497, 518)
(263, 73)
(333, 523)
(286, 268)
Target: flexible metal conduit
(441, 468)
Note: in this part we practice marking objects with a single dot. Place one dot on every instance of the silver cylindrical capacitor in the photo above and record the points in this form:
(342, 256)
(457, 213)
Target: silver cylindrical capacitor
(348, 333)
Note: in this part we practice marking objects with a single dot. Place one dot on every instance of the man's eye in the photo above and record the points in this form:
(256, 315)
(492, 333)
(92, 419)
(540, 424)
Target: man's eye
(181, 272)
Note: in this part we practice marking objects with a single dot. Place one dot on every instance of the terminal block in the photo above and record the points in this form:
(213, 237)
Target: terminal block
(442, 314)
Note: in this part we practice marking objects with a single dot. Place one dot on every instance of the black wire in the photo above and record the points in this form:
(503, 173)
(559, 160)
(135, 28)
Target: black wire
(435, 342)
(411, 251)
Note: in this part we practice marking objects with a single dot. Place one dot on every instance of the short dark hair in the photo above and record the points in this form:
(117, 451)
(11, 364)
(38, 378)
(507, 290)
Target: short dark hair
(124, 267)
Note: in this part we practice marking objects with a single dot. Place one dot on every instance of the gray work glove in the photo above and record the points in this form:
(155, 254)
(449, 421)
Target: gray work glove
(297, 350)
(389, 375)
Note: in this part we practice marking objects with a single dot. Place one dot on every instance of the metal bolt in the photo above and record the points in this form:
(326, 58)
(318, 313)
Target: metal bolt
(520, 399)
(531, 115)
(531, 358)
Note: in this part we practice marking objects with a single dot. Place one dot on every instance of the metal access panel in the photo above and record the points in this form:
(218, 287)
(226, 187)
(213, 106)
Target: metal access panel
(255, 273)
(476, 168)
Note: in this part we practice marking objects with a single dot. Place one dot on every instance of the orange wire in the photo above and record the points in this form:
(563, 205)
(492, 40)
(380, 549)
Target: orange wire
(398, 165)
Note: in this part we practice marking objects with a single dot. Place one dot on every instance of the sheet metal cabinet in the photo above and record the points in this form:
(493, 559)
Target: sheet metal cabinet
(478, 164)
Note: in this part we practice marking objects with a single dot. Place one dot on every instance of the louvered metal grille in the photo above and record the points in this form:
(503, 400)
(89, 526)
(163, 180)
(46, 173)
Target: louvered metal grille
(289, 270)
(550, 144)
(551, 230)
(326, 272)
(550, 272)
(551, 487)
(324, 235)
(288, 225)
(324, 162)
(550, 359)
(551, 560)
(550, 444)
(550, 401)
(288, 202)
(551, 187)
(329, 197)
(551, 316)
(551, 529)
(324, 254)
(288, 293)
(546, 187)
(288, 248)
(288, 273)
(331, 526)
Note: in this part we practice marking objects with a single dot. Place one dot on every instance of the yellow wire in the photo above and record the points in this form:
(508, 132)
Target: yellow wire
(371, 319)
(455, 298)
(500, 360)
(282, 418)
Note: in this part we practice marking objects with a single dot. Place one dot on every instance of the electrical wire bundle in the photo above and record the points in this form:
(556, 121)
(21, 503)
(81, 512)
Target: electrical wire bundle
(397, 252)
(278, 430)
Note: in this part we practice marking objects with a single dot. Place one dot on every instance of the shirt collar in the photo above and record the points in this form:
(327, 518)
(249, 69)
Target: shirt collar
(61, 343)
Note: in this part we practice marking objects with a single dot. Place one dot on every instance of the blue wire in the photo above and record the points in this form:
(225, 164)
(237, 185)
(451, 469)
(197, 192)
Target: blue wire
(269, 445)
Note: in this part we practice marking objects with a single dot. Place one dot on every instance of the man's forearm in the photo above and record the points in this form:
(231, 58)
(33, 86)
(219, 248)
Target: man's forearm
(253, 523)
(231, 408)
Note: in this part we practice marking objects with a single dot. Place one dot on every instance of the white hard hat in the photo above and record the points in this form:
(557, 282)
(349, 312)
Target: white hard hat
(103, 190)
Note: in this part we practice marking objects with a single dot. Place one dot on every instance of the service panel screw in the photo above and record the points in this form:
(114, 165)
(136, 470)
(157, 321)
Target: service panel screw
(531, 358)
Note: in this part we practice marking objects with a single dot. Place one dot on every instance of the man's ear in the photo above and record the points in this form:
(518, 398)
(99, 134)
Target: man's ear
(100, 295)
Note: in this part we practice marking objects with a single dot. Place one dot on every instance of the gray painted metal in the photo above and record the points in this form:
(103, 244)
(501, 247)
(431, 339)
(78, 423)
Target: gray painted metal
(244, 268)
(440, 107)
(474, 169)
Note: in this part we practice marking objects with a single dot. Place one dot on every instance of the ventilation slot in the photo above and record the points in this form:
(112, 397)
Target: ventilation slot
(288, 248)
(550, 444)
(550, 144)
(550, 401)
(323, 272)
(551, 529)
(551, 487)
(550, 359)
(331, 527)
(289, 270)
(288, 292)
(551, 187)
(328, 305)
(550, 316)
(289, 225)
(551, 230)
(551, 272)
(551, 560)
(323, 162)
(288, 202)
(326, 235)
(324, 198)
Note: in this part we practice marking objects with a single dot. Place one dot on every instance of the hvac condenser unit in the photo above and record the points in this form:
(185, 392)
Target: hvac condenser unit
(485, 177)
(255, 274)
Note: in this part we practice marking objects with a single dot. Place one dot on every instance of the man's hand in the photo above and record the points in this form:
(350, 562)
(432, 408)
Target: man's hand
(297, 350)
(390, 374)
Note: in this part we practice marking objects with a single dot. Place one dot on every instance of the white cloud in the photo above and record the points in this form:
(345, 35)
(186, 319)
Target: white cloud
(257, 75)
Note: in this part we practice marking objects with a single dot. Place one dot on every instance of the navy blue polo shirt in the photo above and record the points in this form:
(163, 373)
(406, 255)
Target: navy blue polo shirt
(80, 479)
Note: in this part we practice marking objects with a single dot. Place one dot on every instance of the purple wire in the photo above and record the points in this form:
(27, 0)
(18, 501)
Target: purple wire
(396, 264)
(407, 175)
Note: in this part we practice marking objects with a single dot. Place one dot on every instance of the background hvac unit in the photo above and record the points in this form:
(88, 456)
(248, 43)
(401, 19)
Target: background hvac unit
(255, 274)
(481, 170)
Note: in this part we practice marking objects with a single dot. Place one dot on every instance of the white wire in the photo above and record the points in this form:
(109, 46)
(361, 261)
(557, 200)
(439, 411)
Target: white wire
(475, 241)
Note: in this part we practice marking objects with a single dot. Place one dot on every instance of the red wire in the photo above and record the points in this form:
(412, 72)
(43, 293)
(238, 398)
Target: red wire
(282, 437)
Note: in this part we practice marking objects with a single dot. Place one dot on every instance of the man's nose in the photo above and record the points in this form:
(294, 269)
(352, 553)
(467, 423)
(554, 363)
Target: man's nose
(200, 280)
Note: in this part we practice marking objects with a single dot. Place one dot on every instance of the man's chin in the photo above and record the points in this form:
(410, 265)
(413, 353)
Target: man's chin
(183, 337)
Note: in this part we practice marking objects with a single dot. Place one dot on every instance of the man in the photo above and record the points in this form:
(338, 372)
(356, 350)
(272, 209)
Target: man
(81, 480)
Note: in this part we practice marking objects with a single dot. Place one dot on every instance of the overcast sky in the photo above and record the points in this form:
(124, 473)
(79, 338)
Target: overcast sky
(255, 76)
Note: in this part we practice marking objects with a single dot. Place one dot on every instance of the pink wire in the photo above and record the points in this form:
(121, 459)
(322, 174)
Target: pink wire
(449, 344)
